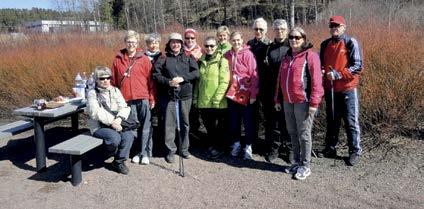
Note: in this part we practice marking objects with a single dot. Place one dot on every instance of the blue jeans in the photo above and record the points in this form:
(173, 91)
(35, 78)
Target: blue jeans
(238, 113)
(116, 142)
(140, 110)
(346, 107)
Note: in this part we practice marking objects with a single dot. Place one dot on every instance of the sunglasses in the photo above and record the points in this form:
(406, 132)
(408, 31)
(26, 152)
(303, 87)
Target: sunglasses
(190, 38)
(334, 25)
(209, 46)
(295, 37)
(105, 78)
(258, 29)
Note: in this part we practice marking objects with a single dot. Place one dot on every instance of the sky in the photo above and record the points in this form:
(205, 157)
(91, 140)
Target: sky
(26, 4)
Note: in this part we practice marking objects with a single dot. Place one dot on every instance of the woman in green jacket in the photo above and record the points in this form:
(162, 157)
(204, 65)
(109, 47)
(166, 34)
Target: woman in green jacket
(209, 96)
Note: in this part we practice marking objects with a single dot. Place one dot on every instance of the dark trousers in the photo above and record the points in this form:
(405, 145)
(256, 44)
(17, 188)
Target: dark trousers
(273, 122)
(216, 124)
(140, 110)
(239, 113)
(118, 143)
(346, 107)
(171, 125)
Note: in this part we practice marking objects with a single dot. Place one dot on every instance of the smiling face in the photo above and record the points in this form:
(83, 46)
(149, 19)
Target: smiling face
(131, 45)
(280, 33)
(190, 40)
(260, 30)
(223, 37)
(103, 82)
(236, 42)
(337, 30)
(153, 46)
(296, 41)
(210, 46)
(175, 46)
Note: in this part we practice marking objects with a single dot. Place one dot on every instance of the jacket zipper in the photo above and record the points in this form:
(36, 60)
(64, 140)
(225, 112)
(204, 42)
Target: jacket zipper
(287, 81)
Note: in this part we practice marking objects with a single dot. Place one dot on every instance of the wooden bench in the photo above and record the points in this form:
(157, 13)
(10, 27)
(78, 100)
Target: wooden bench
(14, 128)
(75, 147)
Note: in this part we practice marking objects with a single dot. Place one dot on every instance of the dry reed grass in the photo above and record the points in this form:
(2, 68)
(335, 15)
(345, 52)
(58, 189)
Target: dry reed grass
(44, 66)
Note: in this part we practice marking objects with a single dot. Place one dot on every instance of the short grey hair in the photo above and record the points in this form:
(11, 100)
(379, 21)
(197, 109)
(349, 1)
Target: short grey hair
(279, 23)
(149, 38)
(260, 20)
(131, 34)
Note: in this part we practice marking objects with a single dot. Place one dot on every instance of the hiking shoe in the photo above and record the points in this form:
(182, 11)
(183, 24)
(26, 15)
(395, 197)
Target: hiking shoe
(120, 167)
(328, 153)
(248, 152)
(136, 159)
(235, 149)
(291, 169)
(271, 156)
(186, 155)
(214, 154)
(302, 173)
(170, 158)
(145, 161)
(354, 159)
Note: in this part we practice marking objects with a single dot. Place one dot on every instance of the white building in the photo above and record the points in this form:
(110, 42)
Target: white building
(51, 26)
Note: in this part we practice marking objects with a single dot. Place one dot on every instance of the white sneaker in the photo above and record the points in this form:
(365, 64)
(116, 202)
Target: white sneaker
(235, 149)
(248, 152)
(145, 161)
(302, 173)
(136, 159)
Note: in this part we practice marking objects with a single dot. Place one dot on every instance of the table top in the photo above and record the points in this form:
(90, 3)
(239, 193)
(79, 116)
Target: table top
(67, 108)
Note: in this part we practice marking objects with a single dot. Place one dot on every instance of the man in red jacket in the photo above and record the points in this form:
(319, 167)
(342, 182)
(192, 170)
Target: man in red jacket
(341, 60)
(132, 74)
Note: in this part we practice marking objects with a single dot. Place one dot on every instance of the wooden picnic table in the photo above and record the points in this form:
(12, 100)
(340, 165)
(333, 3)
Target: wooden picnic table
(42, 117)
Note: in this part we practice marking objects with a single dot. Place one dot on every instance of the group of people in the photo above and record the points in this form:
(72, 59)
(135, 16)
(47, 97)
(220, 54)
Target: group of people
(230, 84)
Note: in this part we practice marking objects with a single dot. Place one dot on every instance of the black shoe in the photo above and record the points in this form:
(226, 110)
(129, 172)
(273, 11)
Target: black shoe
(354, 159)
(186, 155)
(328, 153)
(120, 167)
(215, 154)
(271, 156)
(170, 158)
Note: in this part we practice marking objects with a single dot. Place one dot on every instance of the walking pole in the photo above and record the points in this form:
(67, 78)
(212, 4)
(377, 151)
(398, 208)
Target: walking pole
(332, 105)
(177, 116)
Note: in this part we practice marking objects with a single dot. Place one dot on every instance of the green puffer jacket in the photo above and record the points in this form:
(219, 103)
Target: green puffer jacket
(213, 83)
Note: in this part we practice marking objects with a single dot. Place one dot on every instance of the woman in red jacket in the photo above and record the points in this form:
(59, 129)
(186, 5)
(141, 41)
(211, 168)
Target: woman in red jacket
(300, 81)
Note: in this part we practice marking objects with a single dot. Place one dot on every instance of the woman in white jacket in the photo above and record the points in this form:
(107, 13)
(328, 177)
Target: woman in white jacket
(107, 109)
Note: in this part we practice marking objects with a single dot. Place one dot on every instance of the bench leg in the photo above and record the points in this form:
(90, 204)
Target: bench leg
(76, 169)
(74, 121)
(40, 144)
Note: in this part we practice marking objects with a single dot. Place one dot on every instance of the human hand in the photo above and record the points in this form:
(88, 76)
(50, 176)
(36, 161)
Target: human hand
(277, 107)
(116, 124)
(312, 110)
(174, 84)
(252, 101)
(178, 79)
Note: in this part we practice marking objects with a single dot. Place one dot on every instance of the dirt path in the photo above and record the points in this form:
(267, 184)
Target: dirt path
(387, 177)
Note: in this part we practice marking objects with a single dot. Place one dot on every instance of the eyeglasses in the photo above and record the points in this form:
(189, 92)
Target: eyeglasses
(131, 42)
(190, 38)
(258, 29)
(295, 37)
(334, 25)
(105, 78)
(209, 46)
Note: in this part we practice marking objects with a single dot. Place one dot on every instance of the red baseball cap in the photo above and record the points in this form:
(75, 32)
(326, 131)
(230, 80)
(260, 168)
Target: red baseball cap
(338, 20)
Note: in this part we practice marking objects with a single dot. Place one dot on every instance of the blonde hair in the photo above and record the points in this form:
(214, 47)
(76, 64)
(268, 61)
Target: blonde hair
(131, 34)
(223, 29)
(236, 33)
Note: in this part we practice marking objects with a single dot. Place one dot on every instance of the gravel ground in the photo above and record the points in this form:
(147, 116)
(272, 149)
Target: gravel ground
(389, 176)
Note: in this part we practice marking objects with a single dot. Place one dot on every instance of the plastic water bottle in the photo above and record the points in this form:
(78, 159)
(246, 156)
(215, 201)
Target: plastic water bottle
(79, 86)
(91, 84)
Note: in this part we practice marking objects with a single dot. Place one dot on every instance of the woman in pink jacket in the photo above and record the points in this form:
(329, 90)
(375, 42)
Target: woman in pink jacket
(300, 81)
(241, 94)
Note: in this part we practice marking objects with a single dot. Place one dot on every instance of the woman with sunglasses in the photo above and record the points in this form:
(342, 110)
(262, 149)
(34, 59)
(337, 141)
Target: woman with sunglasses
(209, 96)
(132, 74)
(300, 81)
(107, 108)
(191, 47)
